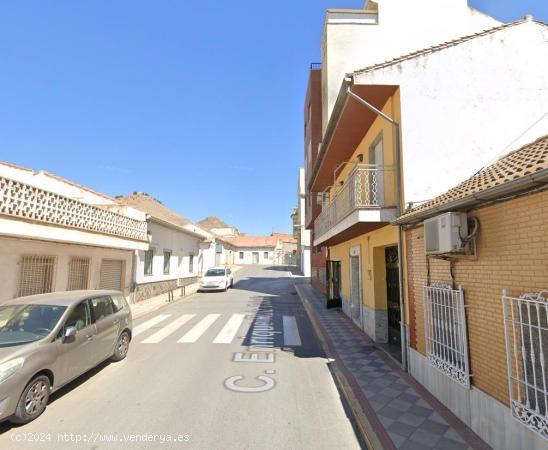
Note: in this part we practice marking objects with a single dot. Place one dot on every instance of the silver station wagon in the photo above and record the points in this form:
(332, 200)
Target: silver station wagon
(48, 340)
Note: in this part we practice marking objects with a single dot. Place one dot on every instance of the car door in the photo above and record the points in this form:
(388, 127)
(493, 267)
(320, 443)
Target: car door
(106, 323)
(76, 356)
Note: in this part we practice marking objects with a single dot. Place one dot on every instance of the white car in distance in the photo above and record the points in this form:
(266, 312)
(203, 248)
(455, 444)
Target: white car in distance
(216, 278)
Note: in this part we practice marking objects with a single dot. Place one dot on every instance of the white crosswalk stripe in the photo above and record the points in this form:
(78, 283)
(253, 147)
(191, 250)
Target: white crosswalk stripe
(149, 324)
(168, 329)
(200, 328)
(291, 331)
(227, 334)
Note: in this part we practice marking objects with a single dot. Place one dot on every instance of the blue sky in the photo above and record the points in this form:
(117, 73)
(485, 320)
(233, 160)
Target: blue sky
(197, 102)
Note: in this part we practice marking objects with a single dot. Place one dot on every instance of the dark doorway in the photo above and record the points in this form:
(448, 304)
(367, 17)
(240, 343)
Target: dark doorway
(393, 301)
(333, 273)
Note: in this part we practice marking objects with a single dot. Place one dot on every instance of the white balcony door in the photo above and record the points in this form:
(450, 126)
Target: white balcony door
(376, 176)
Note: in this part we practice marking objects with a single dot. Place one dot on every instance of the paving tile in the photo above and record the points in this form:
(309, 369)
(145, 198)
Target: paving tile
(425, 438)
(420, 411)
(393, 413)
(434, 427)
(409, 398)
(410, 445)
(386, 421)
(450, 444)
(389, 392)
(401, 428)
(381, 398)
(397, 439)
(400, 404)
(411, 419)
(453, 435)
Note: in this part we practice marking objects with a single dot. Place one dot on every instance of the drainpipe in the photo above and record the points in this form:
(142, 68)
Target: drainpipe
(396, 126)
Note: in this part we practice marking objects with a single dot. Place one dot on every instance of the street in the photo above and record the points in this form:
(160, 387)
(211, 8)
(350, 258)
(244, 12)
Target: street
(237, 369)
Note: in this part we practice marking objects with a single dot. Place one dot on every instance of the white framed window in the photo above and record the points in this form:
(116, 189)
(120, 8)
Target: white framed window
(526, 337)
(191, 264)
(36, 275)
(167, 261)
(149, 258)
(445, 331)
(78, 273)
(241, 255)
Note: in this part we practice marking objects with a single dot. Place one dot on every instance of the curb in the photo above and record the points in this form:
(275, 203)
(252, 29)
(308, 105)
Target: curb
(371, 429)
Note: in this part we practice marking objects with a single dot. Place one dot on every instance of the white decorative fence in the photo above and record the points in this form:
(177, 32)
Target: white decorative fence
(445, 332)
(28, 202)
(526, 332)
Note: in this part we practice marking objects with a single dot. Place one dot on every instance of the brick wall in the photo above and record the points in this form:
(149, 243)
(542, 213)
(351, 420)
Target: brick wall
(513, 255)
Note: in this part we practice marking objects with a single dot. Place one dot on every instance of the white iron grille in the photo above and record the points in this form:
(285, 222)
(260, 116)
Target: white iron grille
(445, 332)
(526, 332)
(78, 273)
(36, 276)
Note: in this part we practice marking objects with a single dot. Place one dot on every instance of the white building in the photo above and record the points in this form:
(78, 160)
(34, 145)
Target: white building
(56, 235)
(255, 250)
(353, 39)
(299, 230)
(179, 251)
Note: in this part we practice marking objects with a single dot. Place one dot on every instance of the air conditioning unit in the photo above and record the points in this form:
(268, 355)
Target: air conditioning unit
(445, 233)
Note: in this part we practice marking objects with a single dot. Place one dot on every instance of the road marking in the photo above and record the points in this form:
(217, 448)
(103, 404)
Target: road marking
(149, 324)
(230, 329)
(291, 331)
(168, 329)
(194, 334)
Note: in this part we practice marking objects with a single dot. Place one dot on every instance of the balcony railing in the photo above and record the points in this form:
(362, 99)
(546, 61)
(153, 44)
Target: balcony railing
(367, 187)
(29, 202)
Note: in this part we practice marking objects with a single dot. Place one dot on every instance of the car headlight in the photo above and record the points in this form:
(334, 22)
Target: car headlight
(8, 368)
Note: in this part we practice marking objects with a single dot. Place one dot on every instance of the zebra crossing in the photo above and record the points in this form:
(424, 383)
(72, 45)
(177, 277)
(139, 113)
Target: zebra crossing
(188, 331)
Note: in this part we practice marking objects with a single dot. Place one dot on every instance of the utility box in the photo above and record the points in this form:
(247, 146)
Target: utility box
(445, 233)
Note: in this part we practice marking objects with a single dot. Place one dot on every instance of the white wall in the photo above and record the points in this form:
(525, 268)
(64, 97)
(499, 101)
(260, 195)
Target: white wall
(356, 41)
(181, 245)
(464, 106)
(248, 258)
(12, 249)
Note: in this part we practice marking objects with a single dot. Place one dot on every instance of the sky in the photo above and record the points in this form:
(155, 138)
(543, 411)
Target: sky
(198, 103)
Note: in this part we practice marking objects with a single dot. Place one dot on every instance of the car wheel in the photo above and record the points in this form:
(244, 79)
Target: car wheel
(33, 401)
(122, 347)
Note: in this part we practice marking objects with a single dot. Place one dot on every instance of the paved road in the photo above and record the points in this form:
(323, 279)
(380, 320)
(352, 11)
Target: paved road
(191, 380)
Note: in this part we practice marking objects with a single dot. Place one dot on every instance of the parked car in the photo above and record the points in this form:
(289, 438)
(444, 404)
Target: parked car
(216, 278)
(48, 340)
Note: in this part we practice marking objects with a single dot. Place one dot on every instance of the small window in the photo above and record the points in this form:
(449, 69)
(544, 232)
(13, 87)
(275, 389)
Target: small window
(36, 276)
(241, 255)
(80, 317)
(102, 307)
(149, 256)
(167, 261)
(119, 302)
(191, 264)
(265, 255)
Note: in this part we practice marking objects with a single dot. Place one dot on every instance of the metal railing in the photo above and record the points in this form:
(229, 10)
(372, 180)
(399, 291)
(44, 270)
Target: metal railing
(526, 336)
(18, 199)
(367, 186)
(445, 332)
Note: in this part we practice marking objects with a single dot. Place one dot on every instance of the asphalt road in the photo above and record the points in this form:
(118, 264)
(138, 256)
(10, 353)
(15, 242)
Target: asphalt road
(241, 369)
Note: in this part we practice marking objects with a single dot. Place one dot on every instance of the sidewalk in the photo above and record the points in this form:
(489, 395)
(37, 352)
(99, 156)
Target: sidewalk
(394, 411)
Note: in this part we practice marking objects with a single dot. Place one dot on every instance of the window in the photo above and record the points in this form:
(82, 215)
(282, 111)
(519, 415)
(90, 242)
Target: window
(36, 276)
(526, 336)
(79, 318)
(241, 255)
(191, 264)
(102, 307)
(445, 332)
(149, 256)
(167, 261)
(265, 255)
(78, 275)
(119, 302)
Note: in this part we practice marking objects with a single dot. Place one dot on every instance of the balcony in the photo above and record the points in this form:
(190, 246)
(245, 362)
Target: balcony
(20, 200)
(366, 201)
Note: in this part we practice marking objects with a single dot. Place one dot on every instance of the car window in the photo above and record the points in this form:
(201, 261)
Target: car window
(80, 317)
(119, 302)
(101, 307)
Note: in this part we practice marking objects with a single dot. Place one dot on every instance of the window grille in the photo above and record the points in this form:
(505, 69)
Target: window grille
(526, 334)
(149, 257)
(445, 332)
(78, 275)
(191, 264)
(167, 262)
(36, 276)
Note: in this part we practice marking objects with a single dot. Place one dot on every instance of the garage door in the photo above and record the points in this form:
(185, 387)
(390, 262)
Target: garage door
(111, 274)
